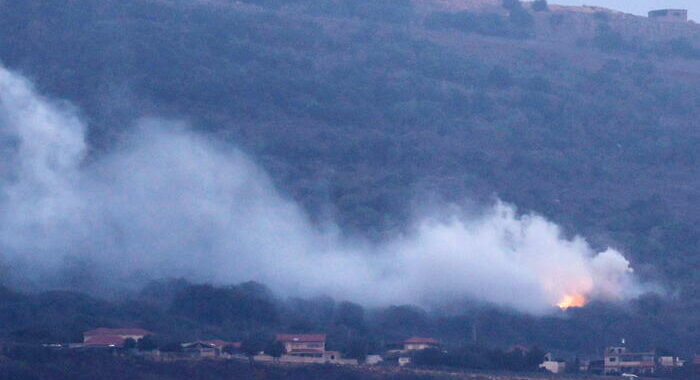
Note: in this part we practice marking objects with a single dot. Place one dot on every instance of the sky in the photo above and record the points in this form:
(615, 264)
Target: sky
(640, 7)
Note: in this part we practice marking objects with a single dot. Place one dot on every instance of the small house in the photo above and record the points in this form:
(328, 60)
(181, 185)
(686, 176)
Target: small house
(418, 343)
(106, 337)
(552, 365)
(303, 345)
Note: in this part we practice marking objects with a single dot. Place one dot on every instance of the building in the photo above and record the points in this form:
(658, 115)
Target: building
(617, 360)
(552, 365)
(303, 345)
(669, 363)
(105, 337)
(417, 343)
(373, 359)
(669, 15)
(306, 349)
(201, 349)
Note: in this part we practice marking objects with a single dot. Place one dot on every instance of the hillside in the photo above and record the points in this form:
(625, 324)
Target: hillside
(363, 111)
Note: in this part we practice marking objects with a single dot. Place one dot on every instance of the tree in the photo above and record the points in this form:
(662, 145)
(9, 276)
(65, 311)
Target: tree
(275, 349)
(251, 346)
(147, 343)
(540, 6)
(351, 315)
(356, 349)
(129, 343)
(533, 358)
(511, 4)
(520, 17)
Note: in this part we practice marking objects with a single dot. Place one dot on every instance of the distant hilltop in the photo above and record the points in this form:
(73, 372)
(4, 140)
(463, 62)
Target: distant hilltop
(560, 22)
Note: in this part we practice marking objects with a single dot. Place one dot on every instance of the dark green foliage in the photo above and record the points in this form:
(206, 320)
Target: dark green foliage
(393, 11)
(274, 349)
(511, 4)
(480, 358)
(147, 343)
(176, 347)
(69, 366)
(350, 315)
(517, 25)
(129, 343)
(348, 110)
(245, 302)
(254, 344)
(678, 47)
(610, 40)
(582, 331)
(521, 18)
(540, 6)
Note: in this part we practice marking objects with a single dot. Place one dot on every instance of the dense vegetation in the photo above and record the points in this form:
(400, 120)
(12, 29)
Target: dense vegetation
(364, 106)
(477, 336)
(47, 365)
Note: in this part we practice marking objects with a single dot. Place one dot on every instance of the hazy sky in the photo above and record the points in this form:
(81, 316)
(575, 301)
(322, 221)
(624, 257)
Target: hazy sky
(640, 7)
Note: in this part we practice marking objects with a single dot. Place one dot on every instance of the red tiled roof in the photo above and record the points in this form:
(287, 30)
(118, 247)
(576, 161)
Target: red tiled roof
(104, 340)
(418, 340)
(304, 338)
(107, 331)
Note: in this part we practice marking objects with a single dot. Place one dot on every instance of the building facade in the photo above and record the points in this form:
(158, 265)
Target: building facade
(303, 345)
(418, 343)
(619, 360)
(669, 15)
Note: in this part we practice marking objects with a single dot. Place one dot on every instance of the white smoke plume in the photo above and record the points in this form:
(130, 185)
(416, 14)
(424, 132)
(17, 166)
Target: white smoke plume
(170, 203)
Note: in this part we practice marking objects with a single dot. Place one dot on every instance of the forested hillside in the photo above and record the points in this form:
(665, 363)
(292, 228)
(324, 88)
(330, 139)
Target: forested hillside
(360, 109)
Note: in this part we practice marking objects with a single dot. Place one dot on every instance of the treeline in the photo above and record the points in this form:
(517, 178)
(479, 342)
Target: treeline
(352, 109)
(44, 364)
(609, 40)
(477, 336)
(518, 23)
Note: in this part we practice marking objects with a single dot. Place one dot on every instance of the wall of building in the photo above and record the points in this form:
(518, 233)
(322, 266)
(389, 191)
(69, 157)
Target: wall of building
(669, 15)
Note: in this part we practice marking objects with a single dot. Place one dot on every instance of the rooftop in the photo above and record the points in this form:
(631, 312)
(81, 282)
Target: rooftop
(304, 338)
(105, 340)
(419, 340)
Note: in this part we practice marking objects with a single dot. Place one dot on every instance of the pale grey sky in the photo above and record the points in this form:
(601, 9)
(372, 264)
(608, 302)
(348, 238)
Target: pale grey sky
(640, 7)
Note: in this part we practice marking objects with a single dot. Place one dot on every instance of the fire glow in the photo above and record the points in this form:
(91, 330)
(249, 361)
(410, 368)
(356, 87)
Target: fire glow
(572, 301)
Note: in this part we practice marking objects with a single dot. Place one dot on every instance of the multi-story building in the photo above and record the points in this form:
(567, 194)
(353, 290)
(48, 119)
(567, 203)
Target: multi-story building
(304, 345)
(618, 360)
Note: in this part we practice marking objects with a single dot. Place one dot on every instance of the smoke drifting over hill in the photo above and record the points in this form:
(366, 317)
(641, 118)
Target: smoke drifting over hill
(171, 203)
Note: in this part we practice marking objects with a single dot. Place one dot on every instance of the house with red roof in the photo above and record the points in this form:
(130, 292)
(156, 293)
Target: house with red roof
(303, 345)
(418, 343)
(106, 337)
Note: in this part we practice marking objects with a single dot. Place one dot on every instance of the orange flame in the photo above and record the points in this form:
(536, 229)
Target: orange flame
(576, 300)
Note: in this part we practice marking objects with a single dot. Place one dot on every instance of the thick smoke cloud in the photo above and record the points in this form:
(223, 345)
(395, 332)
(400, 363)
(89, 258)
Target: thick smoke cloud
(170, 203)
